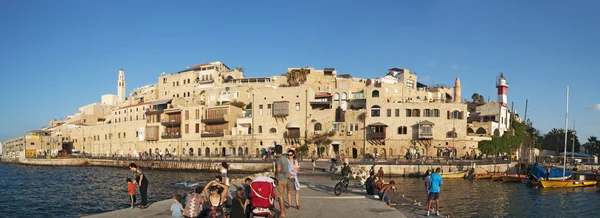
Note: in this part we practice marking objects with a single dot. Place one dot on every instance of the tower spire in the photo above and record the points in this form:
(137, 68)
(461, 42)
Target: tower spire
(121, 86)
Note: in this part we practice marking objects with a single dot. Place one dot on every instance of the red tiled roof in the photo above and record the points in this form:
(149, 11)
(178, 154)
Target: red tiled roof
(322, 95)
(198, 66)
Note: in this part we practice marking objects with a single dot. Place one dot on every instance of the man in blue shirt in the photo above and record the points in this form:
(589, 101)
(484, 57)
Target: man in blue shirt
(435, 182)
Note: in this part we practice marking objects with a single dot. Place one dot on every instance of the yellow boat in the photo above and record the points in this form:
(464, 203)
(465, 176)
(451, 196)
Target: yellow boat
(483, 176)
(497, 178)
(567, 183)
(453, 175)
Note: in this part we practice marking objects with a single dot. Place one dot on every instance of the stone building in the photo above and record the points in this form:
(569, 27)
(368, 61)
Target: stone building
(212, 110)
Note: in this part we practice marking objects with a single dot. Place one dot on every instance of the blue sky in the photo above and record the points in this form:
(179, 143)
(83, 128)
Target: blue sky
(56, 56)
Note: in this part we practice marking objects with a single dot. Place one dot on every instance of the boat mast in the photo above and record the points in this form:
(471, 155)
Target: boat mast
(566, 130)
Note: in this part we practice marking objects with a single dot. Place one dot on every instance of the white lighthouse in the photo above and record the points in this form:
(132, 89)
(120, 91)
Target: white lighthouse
(502, 86)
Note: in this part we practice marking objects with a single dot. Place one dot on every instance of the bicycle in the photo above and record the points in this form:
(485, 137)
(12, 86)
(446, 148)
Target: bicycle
(342, 185)
(334, 166)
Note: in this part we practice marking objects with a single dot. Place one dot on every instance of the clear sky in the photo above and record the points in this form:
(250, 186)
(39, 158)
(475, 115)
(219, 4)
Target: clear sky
(56, 56)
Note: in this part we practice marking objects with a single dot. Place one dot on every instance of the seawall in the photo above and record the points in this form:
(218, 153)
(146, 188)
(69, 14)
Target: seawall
(160, 165)
(416, 170)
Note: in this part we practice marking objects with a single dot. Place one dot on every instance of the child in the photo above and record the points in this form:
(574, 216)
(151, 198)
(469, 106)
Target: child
(176, 207)
(131, 189)
(247, 188)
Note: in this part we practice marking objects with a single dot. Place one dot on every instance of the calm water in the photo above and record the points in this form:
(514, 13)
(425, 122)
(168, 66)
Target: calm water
(31, 191)
(483, 198)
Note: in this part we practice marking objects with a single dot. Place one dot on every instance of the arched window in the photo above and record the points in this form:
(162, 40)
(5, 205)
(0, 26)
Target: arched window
(455, 115)
(355, 127)
(259, 129)
(375, 111)
(344, 96)
(481, 131)
(375, 94)
(191, 152)
(318, 127)
(272, 130)
(336, 98)
(402, 130)
(470, 131)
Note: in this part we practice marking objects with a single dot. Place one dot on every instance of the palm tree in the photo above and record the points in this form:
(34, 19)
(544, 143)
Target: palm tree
(241, 69)
(592, 145)
(296, 77)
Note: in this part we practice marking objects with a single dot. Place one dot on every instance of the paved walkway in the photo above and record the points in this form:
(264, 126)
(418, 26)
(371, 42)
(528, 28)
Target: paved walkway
(316, 200)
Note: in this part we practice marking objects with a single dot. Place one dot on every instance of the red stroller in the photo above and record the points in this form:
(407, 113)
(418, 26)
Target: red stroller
(263, 196)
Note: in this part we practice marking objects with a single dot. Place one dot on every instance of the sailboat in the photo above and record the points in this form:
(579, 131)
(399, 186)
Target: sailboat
(566, 183)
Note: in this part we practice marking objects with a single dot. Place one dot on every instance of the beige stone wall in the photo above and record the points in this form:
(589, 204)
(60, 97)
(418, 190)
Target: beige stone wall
(198, 89)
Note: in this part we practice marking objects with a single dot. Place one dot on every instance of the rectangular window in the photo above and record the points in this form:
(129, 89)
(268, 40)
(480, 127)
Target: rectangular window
(197, 128)
(389, 112)
(269, 109)
(397, 112)
(187, 115)
(260, 109)
(297, 106)
(124, 135)
(335, 126)
(187, 128)
(197, 114)
(408, 113)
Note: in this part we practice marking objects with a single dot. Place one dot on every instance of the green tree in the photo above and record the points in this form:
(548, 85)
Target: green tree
(296, 77)
(321, 140)
(476, 100)
(238, 104)
(554, 140)
(592, 146)
(508, 143)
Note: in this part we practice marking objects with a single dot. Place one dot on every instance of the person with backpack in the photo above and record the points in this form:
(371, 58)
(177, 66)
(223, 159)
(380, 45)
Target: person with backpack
(193, 204)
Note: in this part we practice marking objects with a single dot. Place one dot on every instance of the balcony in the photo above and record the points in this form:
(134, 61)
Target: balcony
(212, 134)
(425, 135)
(171, 122)
(175, 135)
(215, 120)
(377, 135)
(206, 81)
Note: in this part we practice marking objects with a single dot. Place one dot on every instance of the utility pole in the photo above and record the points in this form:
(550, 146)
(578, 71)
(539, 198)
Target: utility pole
(530, 156)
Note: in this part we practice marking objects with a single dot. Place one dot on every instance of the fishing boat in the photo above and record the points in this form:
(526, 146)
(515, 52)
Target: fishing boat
(513, 178)
(487, 175)
(453, 175)
(566, 183)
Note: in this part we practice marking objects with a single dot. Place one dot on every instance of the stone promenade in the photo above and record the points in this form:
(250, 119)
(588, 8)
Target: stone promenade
(316, 200)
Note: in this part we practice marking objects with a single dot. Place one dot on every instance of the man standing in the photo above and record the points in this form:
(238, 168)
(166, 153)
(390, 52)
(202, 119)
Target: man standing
(282, 174)
(435, 182)
(313, 159)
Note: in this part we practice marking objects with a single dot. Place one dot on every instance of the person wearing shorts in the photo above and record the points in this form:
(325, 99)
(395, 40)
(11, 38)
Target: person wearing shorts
(282, 174)
(435, 183)
(383, 193)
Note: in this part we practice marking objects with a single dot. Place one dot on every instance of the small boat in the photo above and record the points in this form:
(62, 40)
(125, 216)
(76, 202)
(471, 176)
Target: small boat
(497, 178)
(483, 176)
(567, 183)
(453, 175)
(513, 178)
(487, 175)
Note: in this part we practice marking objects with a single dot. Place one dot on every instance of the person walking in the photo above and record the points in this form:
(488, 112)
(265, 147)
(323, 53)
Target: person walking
(293, 184)
(282, 175)
(142, 182)
(435, 184)
(313, 159)
(380, 173)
